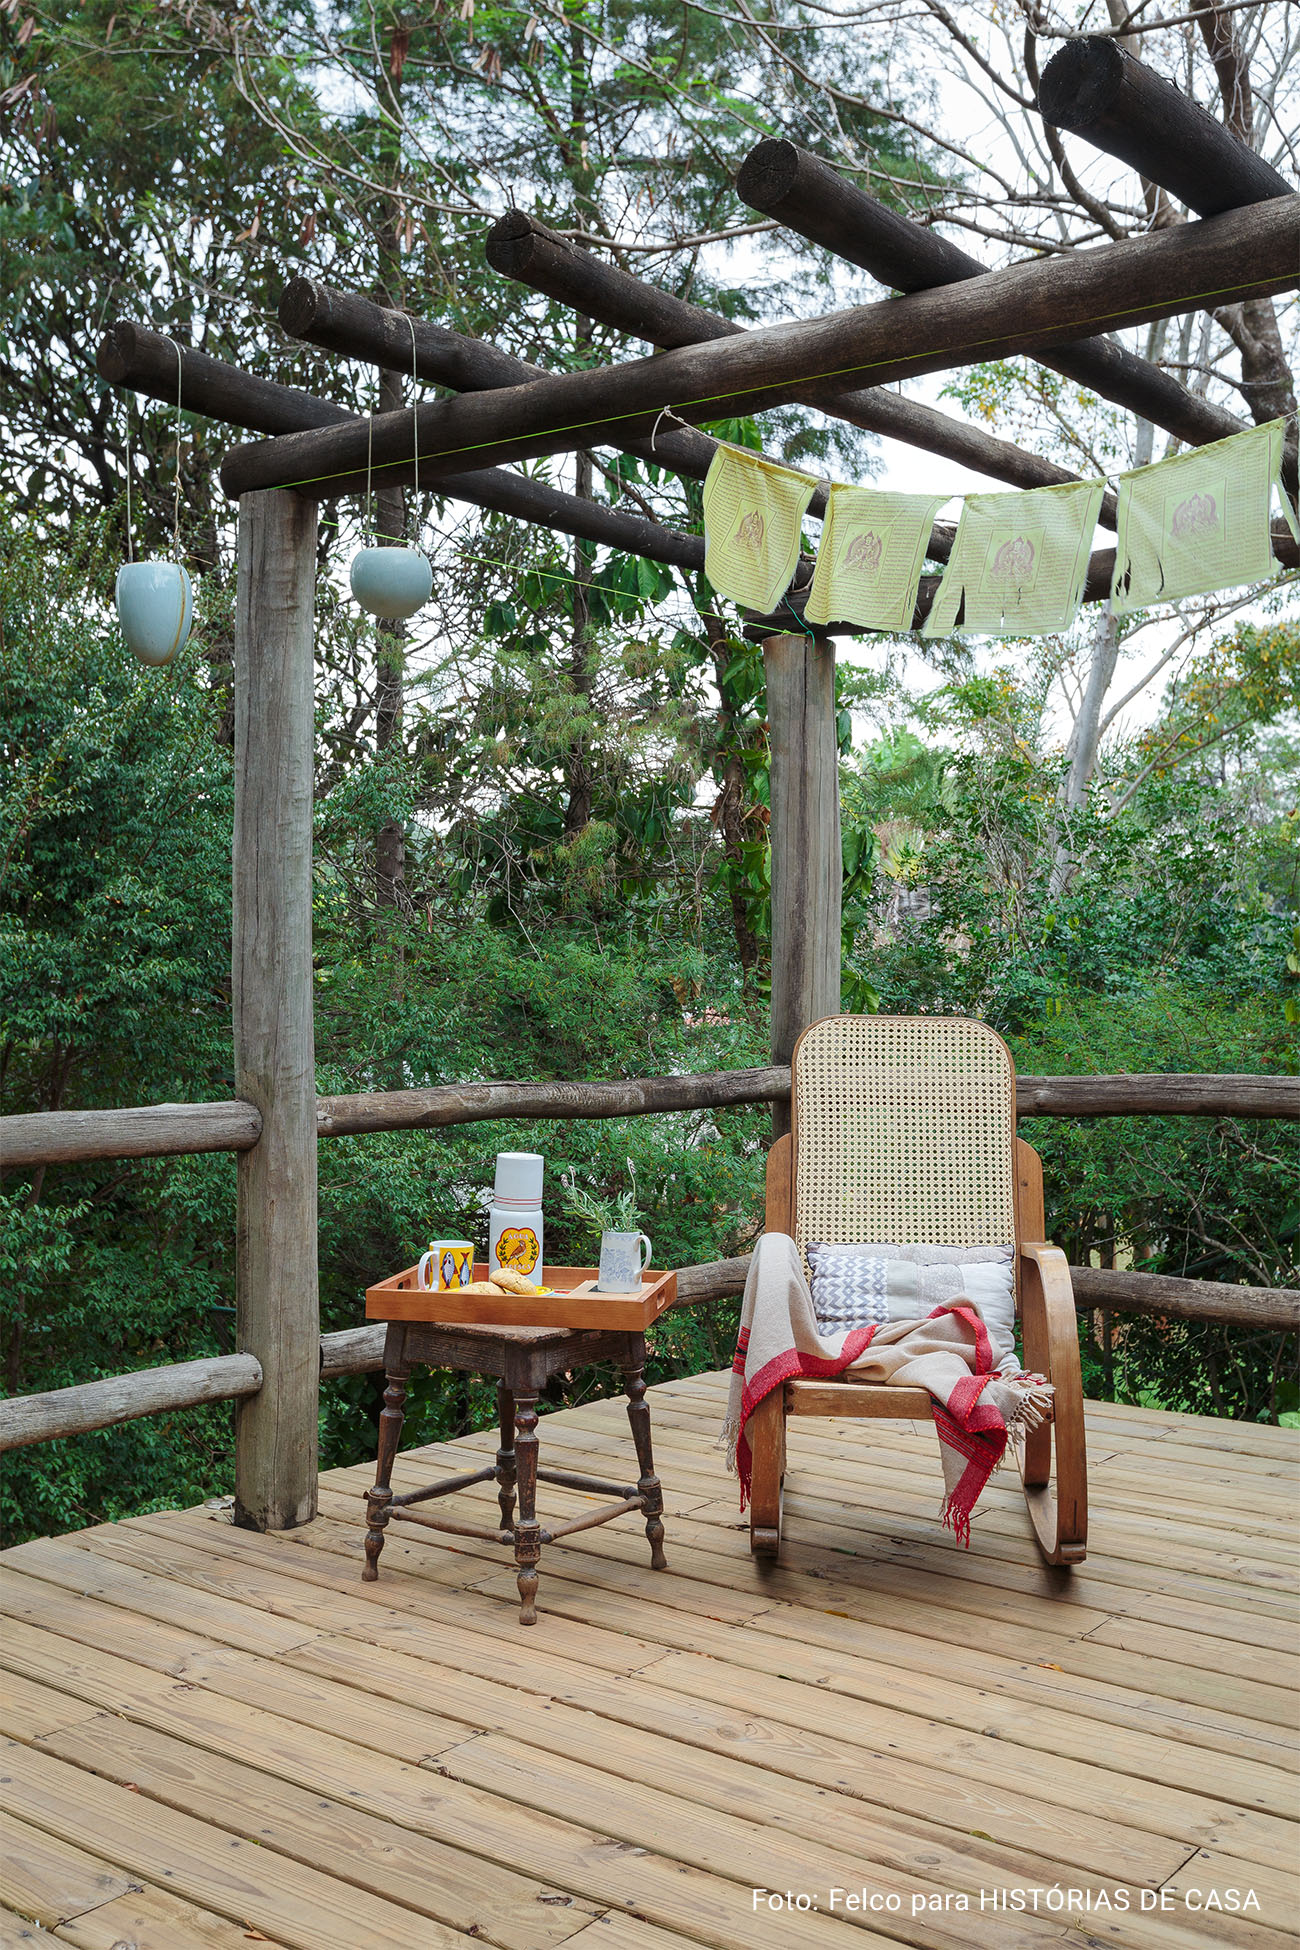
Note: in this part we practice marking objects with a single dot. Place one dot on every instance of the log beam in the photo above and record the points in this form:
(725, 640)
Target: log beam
(520, 247)
(343, 322)
(63, 1137)
(144, 361)
(61, 1412)
(276, 1290)
(1094, 88)
(1242, 254)
(807, 195)
(1162, 1296)
(69, 1137)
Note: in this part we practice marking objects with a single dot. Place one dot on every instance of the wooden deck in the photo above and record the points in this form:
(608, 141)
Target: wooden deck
(214, 1738)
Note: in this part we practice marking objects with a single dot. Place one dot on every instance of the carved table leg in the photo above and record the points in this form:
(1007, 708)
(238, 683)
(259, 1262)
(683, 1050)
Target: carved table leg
(379, 1500)
(528, 1544)
(506, 1456)
(652, 1496)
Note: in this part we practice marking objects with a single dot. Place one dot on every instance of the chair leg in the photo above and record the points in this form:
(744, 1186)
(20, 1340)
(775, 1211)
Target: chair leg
(379, 1499)
(528, 1539)
(652, 1496)
(1051, 1336)
(766, 1434)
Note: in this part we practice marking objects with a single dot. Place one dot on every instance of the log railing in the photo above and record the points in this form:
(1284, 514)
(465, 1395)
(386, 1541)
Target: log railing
(156, 1130)
(163, 1130)
(63, 1412)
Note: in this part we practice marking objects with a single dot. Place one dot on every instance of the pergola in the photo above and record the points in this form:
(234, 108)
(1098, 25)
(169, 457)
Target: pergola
(1244, 243)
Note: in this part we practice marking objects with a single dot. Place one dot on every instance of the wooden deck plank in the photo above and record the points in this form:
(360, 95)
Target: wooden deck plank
(1234, 1603)
(17, 1933)
(336, 1835)
(1038, 1677)
(687, 1748)
(157, 1920)
(49, 1880)
(500, 1707)
(909, 1477)
(1127, 1725)
(926, 1630)
(650, 1703)
(869, 1512)
(969, 1707)
(256, 1886)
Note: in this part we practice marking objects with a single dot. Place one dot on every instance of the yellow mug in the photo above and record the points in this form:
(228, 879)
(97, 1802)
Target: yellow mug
(448, 1264)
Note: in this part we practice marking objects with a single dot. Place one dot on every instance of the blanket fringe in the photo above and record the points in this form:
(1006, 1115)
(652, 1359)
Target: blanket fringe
(955, 1518)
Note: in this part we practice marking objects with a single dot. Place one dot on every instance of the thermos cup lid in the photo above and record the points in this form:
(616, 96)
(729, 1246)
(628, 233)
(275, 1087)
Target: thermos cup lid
(519, 1176)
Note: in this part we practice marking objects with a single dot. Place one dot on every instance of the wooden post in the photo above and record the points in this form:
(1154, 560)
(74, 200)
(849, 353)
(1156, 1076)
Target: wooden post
(805, 838)
(278, 1305)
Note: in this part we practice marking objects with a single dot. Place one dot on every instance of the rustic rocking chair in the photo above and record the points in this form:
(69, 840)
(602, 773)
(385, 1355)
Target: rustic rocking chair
(903, 1128)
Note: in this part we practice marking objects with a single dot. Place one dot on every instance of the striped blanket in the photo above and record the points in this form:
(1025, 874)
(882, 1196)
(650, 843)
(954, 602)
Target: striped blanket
(948, 1353)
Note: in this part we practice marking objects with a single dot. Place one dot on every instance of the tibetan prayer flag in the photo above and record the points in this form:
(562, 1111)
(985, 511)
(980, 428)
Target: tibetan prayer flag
(1198, 522)
(869, 562)
(752, 516)
(1019, 562)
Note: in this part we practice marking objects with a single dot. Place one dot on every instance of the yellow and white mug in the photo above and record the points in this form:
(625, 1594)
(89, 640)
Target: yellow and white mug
(448, 1264)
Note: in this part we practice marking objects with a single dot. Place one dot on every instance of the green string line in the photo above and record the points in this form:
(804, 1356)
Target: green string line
(1081, 327)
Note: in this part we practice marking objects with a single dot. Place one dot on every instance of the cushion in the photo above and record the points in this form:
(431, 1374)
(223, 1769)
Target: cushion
(856, 1286)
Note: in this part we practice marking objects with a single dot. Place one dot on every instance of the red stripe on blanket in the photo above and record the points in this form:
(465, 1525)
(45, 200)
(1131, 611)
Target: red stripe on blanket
(784, 1367)
(972, 1427)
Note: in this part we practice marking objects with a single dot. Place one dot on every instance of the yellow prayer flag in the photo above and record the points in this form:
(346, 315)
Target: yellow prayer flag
(1198, 522)
(1019, 562)
(752, 513)
(869, 562)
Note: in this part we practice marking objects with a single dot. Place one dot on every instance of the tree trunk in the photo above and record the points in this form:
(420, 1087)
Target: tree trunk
(1086, 734)
(578, 771)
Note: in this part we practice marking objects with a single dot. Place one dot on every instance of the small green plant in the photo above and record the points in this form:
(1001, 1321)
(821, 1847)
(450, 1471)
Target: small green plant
(597, 1214)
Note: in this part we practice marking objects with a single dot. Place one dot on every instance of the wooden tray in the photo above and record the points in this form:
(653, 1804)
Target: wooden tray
(576, 1302)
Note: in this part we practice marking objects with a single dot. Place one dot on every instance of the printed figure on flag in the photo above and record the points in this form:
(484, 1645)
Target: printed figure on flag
(863, 554)
(1014, 562)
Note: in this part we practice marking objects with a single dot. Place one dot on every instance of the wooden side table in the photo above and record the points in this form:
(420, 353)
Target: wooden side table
(523, 1359)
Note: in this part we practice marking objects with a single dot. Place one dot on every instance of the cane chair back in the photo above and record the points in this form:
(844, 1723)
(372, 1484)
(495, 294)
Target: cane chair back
(904, 1129)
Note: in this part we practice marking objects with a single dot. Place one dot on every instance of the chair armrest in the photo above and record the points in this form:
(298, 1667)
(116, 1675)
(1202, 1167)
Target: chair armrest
(1053, 1267)
(1046, 1277)
(1050, 1329)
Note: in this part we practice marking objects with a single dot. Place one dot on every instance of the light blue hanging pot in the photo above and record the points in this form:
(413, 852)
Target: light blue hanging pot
(391, 582)
(155, 606)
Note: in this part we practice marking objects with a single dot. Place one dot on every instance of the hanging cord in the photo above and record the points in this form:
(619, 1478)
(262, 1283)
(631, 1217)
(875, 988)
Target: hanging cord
(415, 429)
(176, 500)
(368, 520)
(130, 556)
(666, 413)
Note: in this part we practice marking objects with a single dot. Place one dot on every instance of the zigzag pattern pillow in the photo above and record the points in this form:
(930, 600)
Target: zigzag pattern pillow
(860, 1286)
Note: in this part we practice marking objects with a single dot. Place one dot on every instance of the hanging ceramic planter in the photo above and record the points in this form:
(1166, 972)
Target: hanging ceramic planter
(155, 605)
(155, 601)
(391, 582)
